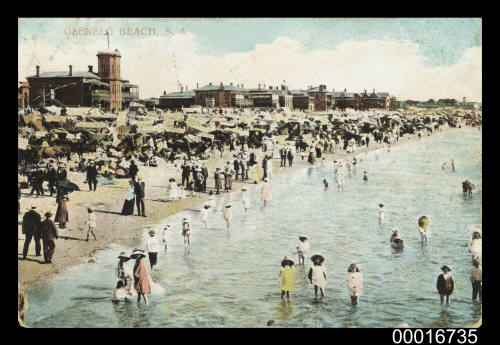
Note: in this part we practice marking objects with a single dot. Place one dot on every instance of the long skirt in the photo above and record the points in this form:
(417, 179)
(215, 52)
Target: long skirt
(62, 212)
(128, 207)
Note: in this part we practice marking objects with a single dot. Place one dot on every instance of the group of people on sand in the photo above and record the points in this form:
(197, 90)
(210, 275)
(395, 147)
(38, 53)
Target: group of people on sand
(317, 274)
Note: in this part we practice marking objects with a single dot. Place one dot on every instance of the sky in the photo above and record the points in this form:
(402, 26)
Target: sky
(411, 58)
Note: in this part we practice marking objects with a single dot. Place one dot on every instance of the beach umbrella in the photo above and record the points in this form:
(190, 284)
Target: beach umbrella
(68, 186)
(423, 222)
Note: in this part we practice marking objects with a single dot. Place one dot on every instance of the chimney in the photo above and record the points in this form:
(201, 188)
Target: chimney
(259, 86)
(210, 83)
(90, 69)
(242, 86)
(196, 85)
(373, 90)
(70, 70)
(270, 87)
(365, 90)
(284, 82)
(37, 71)
(231, 83)
(221, 84)
(164, 93)
(264, 86)
(182, 88)
(186, 88)
(345, 90)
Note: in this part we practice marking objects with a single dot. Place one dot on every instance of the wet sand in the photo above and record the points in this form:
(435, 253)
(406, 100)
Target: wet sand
(107, 201)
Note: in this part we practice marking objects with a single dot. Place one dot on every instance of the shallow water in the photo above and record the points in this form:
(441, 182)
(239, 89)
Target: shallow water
(229, 278)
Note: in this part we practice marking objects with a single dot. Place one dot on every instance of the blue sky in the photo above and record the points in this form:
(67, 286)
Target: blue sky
(442, 40)
(434, 42)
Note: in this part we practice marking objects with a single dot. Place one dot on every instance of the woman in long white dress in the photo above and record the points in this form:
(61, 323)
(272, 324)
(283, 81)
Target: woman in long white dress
(172, 190)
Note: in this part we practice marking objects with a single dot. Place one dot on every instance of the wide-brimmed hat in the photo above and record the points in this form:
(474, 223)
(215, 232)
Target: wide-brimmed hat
(228, 205)
(243, 189)
(445, 268)
(303, 237)
(33, 207)
(381, 205)
(123, 255)
(317, 257)
(139, 178)
(287, 261)
(184, 220)
(206, 206)
(151, 232)
(48, 214)
(353, 268)
(90, 208)
(137, 252)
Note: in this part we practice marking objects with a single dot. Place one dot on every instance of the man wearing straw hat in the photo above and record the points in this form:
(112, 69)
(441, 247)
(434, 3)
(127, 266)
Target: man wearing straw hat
(48, 233)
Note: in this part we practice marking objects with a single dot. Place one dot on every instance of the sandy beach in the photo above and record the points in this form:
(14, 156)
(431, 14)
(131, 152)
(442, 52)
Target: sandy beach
(107, 201)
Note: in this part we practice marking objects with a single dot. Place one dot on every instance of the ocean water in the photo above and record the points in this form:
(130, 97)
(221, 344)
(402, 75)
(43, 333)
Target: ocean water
(229, 278)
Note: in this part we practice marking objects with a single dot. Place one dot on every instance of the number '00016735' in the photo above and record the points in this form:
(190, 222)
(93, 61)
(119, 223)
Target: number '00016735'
(434, 336)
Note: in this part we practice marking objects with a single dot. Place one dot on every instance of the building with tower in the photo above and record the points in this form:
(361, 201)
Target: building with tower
(104, 89)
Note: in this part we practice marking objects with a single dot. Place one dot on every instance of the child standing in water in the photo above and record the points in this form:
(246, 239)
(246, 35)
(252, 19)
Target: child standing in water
(246, 198)
(287, 275)
(381, 213)
(423, 224)
(186, 227)
(302, 249)
(317, 275)
(227, 215)
(354, 283)
(211, 202)
(445, 284)
(204, 214)
(166, 232)
(153, 247)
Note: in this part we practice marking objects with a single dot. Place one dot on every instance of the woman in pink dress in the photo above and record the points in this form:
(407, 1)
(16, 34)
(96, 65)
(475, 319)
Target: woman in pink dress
(265, 192)
(141, 280)
(227, 215)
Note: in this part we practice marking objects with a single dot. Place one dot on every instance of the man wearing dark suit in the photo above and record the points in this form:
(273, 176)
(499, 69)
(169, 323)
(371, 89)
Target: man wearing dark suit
(186, 171)
(139, 190)
(32, 222)
(283, 157)
(48, 233)
(133, 170)
(52, 178)
(204, 172)
(92, 176)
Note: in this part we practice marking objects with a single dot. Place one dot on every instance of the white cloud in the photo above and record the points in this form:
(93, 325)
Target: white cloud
(160, 63)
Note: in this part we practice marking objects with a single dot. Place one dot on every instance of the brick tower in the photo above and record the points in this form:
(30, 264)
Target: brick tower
(109, 72)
